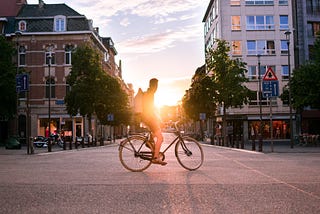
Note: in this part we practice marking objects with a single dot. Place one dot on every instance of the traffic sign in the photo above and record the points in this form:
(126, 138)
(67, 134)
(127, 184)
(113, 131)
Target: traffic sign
(22, 82)
(270, 75)
(110, 117)
(270, 89)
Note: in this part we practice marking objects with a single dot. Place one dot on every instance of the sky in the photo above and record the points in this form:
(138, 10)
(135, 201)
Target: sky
(160, 39)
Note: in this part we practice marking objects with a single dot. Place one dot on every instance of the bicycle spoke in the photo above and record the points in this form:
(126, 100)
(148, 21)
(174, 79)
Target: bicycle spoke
(189, 153)
(134, 155)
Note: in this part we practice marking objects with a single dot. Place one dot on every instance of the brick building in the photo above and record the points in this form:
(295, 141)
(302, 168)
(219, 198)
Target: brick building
(52, 31)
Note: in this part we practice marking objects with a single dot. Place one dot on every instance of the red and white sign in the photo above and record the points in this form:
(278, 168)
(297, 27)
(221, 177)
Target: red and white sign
(270, 75)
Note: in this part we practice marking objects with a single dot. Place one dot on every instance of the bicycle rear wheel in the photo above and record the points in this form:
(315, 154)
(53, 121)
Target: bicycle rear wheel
(189, 153)
(134, 155)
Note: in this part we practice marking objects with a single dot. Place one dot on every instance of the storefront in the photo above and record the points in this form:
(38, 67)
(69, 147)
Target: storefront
(279, 125)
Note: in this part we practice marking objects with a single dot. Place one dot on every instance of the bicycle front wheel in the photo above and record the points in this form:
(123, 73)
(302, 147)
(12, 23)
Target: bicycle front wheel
(134, 155)
(189, 153)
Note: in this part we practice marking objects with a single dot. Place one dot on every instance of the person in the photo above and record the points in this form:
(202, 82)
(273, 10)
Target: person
(150, 118)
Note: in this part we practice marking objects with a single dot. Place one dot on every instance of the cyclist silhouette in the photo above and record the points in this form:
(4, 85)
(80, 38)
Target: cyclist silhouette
(150, 118)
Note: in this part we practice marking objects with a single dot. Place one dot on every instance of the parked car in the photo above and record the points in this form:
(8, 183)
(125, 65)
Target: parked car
(40, 141)
(13, 143)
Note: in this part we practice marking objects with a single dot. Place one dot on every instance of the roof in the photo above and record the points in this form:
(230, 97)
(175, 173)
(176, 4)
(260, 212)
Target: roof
(208, 11)
(47, 10)
(41, 18)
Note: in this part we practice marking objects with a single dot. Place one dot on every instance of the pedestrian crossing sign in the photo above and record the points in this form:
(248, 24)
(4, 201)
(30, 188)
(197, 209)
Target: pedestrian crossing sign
(270, 75)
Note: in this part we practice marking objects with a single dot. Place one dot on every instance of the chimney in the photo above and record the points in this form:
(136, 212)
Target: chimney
(41, 3)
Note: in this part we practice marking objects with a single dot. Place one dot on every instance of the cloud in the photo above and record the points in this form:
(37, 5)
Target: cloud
(125, 22)
(159, 41)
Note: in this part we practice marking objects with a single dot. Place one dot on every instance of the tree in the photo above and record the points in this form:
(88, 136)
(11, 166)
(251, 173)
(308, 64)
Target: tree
(305, 83)
(228, 78)
(199, 98)
(92, 90)
(7, 80)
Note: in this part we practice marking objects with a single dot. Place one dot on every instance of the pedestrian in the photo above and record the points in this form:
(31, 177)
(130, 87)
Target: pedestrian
(151, 119)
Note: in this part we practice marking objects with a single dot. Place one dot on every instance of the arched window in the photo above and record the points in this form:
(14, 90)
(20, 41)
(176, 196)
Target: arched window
(53, 88)
(22, 26)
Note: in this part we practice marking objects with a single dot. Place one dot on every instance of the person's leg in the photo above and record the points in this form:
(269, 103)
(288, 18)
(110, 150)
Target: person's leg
(157, 134)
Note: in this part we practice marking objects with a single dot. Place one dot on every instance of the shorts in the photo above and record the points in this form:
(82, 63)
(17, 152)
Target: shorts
(152, 121)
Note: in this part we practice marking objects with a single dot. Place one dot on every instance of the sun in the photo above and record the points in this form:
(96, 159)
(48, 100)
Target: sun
(167, 96)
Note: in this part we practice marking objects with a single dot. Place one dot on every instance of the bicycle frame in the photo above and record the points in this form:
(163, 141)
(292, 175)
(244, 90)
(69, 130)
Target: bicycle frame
(147, 137)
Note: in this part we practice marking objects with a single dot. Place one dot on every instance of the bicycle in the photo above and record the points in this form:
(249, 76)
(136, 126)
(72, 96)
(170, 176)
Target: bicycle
(136, 151)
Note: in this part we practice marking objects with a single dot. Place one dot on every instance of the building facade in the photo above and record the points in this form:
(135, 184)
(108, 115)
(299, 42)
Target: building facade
(255, 31)
(307, 25)
(45, 36)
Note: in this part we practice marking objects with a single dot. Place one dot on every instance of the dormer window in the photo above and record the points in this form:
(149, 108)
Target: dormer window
(22, 26)
(59, 23)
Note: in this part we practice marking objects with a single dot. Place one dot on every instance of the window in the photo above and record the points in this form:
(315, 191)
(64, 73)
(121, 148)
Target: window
(313, 29)
(259, 2)
(313, 7)
(284, 24)
(234, 2)
(254, 99)
(68, 54)
(22, 26)
(262, 47)
(252, 72)
(284, 47)
(22, 55)
(285, 72)
(53, 58)
(60, 23)
(53, 88)
(235, 23)
(260, 23)
(283, 2)
(236, 48)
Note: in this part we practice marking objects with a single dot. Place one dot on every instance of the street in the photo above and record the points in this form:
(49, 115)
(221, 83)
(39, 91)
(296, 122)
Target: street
(92, 180)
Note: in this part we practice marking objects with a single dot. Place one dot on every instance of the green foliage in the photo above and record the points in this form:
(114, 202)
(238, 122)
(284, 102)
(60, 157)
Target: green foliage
(92, 90)
(305, 83)
(305, 86)
(7, 80)
(199, 98)
(228, 76)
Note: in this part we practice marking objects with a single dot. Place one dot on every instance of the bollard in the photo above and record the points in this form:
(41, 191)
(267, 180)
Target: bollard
(253, 144)
(70, 144)
(76, 144)
(237, 142)
(82, 142)
(242, 141)
(64, 145)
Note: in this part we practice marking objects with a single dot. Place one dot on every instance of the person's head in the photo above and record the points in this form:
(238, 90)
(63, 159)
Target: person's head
(153, 84)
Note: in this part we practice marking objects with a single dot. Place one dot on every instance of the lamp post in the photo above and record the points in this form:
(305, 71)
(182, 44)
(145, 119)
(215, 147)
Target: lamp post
(49, 100)
(287, 33)
(16, 131)
(260, 106)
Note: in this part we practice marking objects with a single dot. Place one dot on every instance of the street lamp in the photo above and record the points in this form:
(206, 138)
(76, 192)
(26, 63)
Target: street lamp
(287, 33)
(49, 49)
(17, 34)
(260, 106)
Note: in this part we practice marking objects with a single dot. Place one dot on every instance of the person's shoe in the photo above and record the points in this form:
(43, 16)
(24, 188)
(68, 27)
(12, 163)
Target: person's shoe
(158, 161)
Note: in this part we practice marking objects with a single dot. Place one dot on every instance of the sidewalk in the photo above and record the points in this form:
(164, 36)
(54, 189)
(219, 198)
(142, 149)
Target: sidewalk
(278, 147)
(55, 148)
